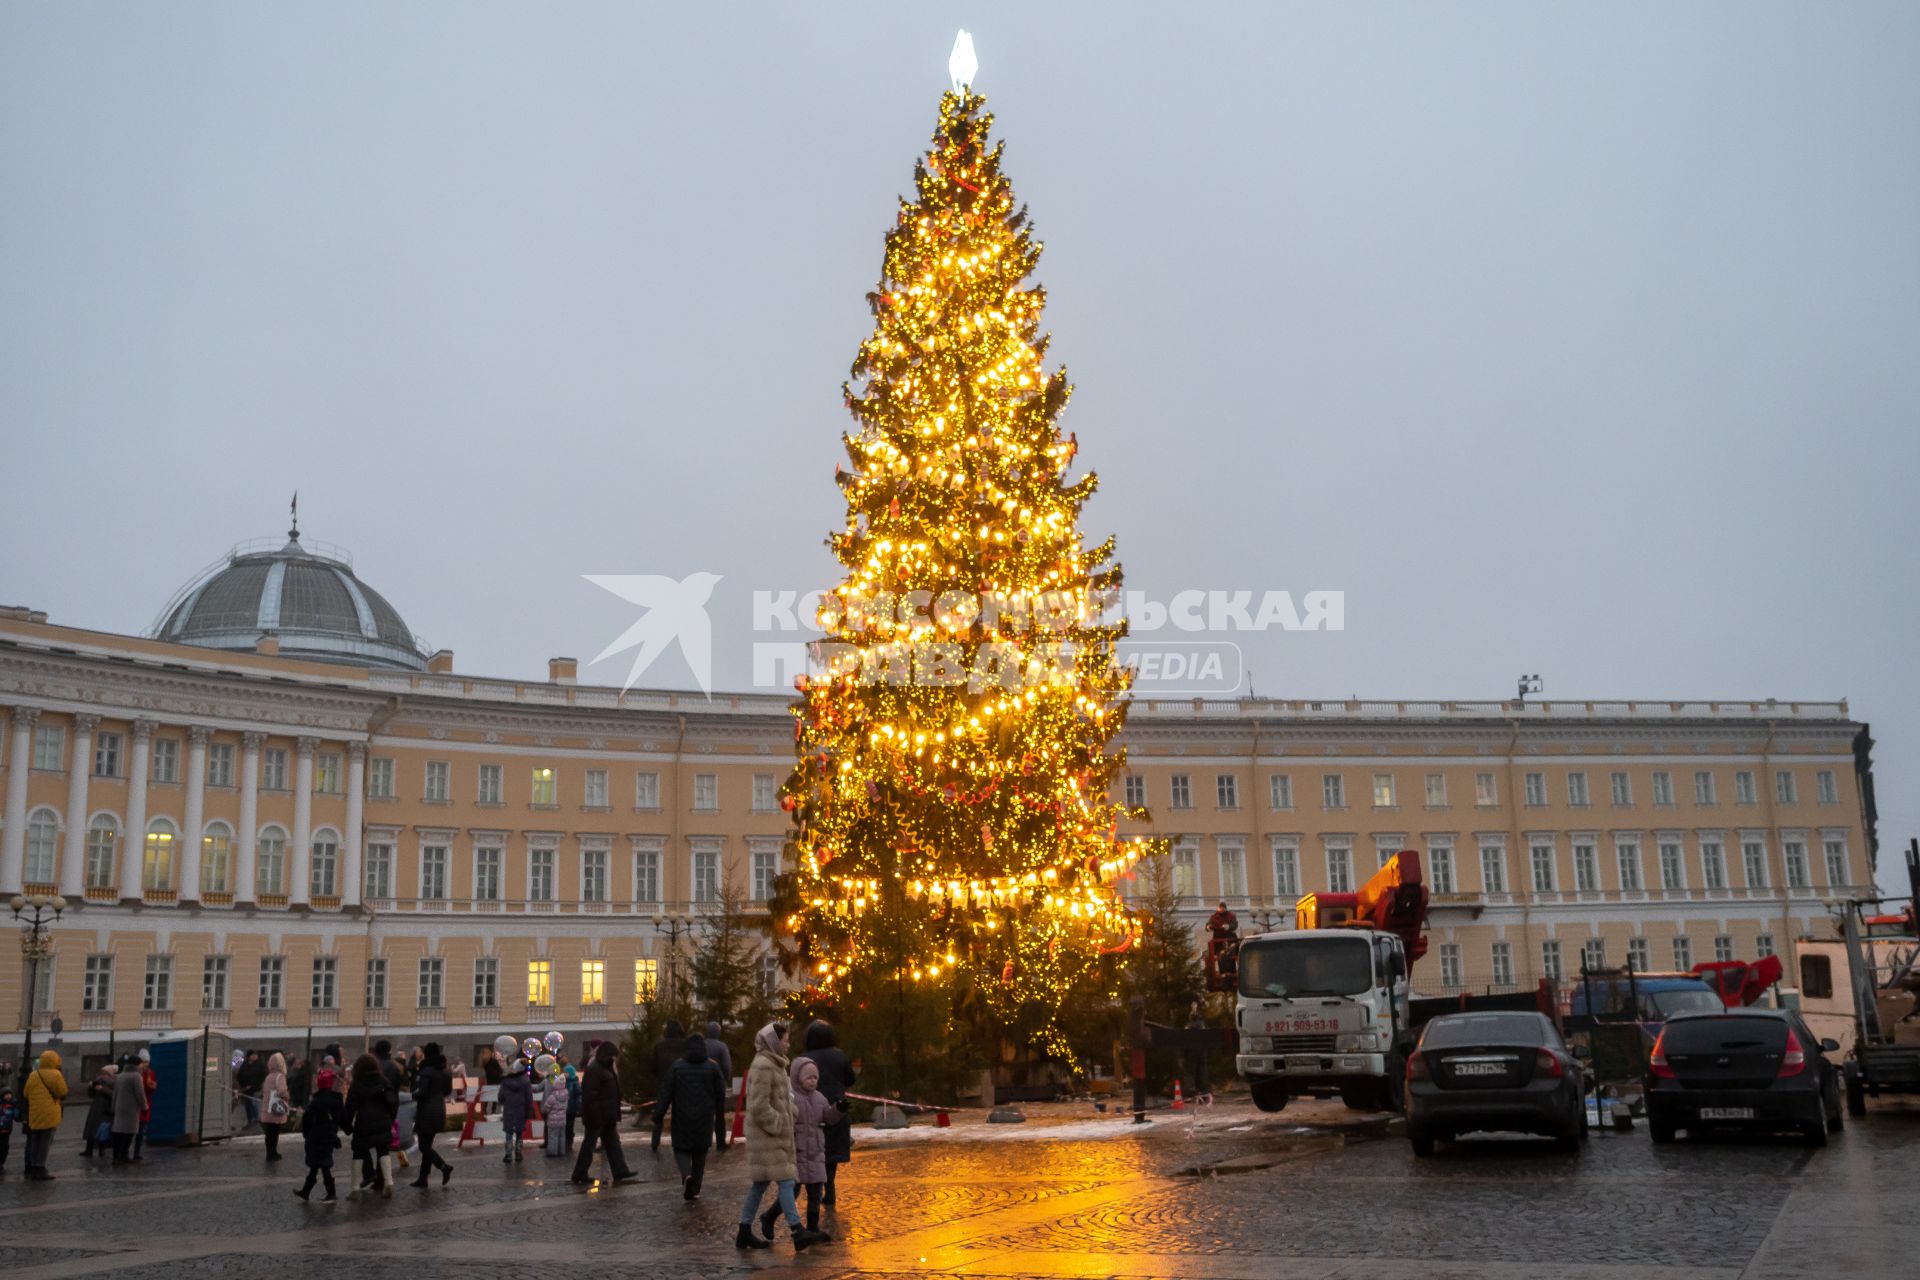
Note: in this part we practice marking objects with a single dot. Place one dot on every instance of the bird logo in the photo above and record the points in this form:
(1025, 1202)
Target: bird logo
(673, 611)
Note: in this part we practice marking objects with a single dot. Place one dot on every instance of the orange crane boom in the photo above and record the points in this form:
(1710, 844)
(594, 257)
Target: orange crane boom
(1393, 901)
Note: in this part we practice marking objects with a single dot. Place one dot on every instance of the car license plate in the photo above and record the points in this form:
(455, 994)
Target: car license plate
(1478, 1068)
(1726, 1113)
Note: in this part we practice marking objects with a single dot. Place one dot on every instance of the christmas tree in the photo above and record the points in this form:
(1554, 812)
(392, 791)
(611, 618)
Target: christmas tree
(952, 818)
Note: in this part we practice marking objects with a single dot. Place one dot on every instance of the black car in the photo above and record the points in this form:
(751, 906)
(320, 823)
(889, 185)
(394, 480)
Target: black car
(1743, 1068)
(1487, 1072)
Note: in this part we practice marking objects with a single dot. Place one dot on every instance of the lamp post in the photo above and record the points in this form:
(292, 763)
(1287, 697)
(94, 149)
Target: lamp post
(36, 944)
(673, 926)
(1267, 917)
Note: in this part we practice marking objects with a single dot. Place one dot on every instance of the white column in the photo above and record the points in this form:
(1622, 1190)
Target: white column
(302, 822)
(195, 815)
(73, 859)
(134, 850)
(350, 838)
(249, 817)
(13, 841)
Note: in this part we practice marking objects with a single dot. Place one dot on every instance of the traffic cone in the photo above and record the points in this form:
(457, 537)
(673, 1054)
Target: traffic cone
(940, 1120)
(1179, 1101)
(740, 1113)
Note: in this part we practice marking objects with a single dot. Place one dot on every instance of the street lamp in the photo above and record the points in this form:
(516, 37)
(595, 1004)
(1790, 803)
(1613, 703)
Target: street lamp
(673, 926)
(36, 944)
(1267, 917)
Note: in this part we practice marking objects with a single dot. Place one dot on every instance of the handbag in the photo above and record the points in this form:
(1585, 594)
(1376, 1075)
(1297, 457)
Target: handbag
(277, 1108)
(103, 1136)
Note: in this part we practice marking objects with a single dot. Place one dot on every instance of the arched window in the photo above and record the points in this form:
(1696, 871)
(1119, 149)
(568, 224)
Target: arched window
(271, 861)
(324, 880)
(156, 866)
(216, 858)
(43, 843)
(103, 852)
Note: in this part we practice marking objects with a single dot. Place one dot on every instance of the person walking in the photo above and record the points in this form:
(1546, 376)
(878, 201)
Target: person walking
(248, 1079)
(299, 1082)
(600, 1117)
(44, 1089)
(396, 1078)
(98, 1128)
(516, 1103)
(812, 1113)
(490, 1067)
(553, 1114)
(837, 1075)
(1196, 1055)
(722, 1057)
(369, 1116)
(430, 1089)
(321, 1123)
(152, 1083)
(695, 1093)
(129, 1100)
(666, 1051)
(9, 1115)
(276, 1104)
(770, 1142)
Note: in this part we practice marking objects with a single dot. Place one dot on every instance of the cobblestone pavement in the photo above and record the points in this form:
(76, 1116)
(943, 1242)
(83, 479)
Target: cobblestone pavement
(1314, 1192)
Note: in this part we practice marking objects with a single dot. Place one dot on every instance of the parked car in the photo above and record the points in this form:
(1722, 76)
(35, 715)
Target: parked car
(1744, 1068)
(1494, 1072)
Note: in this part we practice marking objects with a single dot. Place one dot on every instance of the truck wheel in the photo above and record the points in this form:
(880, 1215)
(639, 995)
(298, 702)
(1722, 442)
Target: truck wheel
(1856, 1096)
(1269, 1095)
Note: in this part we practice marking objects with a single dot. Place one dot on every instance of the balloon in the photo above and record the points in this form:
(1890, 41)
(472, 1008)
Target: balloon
(543, 1065)
(554, 1041)
(530, 1048)
(238, 1060)
(506, 1046)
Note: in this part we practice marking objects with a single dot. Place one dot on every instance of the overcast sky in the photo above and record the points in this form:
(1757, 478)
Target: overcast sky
(1577, 339)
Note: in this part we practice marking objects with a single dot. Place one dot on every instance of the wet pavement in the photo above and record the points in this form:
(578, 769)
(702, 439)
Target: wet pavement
(1226, 1193)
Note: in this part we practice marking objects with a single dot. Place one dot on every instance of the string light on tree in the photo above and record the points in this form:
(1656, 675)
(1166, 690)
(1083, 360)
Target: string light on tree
(951, 799)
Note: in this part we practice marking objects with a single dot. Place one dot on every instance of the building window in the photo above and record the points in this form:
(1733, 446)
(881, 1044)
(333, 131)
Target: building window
(1683, 953)
(1186, 870)
(49, 747)
(157, 993)
(1836, 851)
(1385, 847)
(1594, 954)
(103, 852)
(540, 982)
(706, 875)
(1486, 790)
(763, 788)
(1713, 865)
(1542, 855)
(166, 760)
(646, 792)
(596, 789)
(273, 982)
(433, 871)
(1384, 796)
(486, 983)
(766, 865)
(1286, 870)
(1662, 788)
(379, 872)
(706, 793)
(546, 788)
(1703, 792)
(1493, 868)
(96, 988)
(43, 846)
(1586, 867)
(1816, 978)
(540, 875)
(1333, 791)
(1621, 787)
(1753, 853)
(1503, 964)
(646, 979)
(220, 764)
(486, 873)
(1233, 871)
(1280, 791)
(325, 992)
(492, 784)
(213, 981)
(593, 875)
(1440, 865)
(1436, 791)
(769, 976)
(377, 983)
(270, 862)
(1536, 786)
(436, 786)
(1629, 855)
(1743, 792)
(216, 859)
(1577, 789)
(156, 864)
(1639, 957)
(1181, 794)
(1339, 869)
(593, 982)
(1134, 787)
(1550, 965)
(106, 755)
(323, 879)
(1722, 949)
(326, 773)
(1798, 876)
(433, 983)
(1450, 964)
(646, 876)
(1785, 788)
(1672, 866)
(273, 769)
(1824, 789)
(1763, 946)
(1226, 791)
(379, 777)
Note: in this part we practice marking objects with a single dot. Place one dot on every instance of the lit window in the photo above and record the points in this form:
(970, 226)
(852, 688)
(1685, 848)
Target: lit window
(540, 982)
(1383, 791)
(546, 788)
(593, 982)
(646, 979)
(156, 867)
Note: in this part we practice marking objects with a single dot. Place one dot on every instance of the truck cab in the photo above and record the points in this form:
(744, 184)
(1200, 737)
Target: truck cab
(1324, 1012)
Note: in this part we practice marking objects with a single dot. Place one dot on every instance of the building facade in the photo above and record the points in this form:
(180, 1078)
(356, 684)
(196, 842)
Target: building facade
(279, 814)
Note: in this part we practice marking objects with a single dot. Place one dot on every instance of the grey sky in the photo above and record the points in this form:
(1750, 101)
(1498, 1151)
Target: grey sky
(1570, 339)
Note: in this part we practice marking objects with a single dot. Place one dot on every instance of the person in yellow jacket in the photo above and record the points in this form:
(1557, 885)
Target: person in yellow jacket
(45, 1087)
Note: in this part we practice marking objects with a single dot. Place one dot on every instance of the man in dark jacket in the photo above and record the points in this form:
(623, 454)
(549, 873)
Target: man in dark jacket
(666, 1051)
(697, 1096)
(248, 1080)
(721, 1056)
(300, 1082)
(836, 1077)
(600, 1117)
(431, 1085)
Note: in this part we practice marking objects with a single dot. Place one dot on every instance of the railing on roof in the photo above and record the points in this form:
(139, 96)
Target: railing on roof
(248, 547)
(1378, 709)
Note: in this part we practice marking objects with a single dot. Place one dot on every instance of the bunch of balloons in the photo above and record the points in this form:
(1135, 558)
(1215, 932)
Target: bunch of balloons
(541, 1056)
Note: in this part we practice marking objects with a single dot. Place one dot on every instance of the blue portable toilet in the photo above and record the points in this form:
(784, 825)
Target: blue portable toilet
(193, 1087)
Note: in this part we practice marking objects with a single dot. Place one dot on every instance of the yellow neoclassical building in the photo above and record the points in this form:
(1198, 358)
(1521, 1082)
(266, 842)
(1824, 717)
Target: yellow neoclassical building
(277, 812)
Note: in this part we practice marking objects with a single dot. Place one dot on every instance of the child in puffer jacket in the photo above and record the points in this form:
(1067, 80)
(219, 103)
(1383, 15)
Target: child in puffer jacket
(812, 1113)
(516, 1103)
(553, 1109)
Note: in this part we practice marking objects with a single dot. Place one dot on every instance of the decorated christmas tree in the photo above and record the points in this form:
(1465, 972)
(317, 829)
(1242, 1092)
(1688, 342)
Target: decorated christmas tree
(953, 823)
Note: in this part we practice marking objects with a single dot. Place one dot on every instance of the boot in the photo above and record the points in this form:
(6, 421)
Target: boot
(767, 1220)
(421, 1181)
(805, 1237)
(745, 1239)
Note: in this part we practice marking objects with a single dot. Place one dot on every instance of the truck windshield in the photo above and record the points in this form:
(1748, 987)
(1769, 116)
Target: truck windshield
(1326, 966)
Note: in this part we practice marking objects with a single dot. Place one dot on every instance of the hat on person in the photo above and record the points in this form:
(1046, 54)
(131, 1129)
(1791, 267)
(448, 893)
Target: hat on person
(145, 1056)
